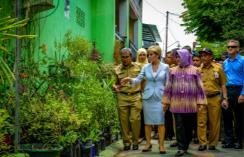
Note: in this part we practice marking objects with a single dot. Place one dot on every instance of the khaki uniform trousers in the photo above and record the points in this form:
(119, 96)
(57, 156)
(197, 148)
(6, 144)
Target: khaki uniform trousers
(209, 115)
(130, 119)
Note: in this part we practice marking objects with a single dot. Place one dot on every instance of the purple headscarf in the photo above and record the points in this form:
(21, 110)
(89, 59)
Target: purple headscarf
(185, 57)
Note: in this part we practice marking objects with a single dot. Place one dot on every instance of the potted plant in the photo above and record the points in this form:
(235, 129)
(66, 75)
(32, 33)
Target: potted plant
(48, 126)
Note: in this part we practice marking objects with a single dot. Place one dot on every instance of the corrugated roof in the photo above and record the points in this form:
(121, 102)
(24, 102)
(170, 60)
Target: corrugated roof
(150, 33)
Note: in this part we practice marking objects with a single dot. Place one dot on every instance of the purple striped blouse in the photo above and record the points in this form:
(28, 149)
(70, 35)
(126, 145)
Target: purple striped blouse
(184, 90)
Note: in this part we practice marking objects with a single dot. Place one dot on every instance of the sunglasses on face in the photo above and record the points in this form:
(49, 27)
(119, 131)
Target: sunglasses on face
(232, 47)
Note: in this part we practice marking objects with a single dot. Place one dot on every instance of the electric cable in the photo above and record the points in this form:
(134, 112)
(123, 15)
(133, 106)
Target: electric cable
(48, 14)
(163, 13)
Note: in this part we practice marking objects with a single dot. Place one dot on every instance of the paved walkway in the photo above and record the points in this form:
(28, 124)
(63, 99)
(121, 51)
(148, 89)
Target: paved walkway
(115, 150)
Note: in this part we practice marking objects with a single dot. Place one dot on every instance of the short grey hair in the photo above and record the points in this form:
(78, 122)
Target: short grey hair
(234, 41)
(126, 50)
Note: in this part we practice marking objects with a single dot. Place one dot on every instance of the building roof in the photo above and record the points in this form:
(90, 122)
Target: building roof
(150, 33)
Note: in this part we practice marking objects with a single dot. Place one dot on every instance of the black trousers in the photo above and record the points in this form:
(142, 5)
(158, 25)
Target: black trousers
(169, 129)
(184, 127)
(233, 116)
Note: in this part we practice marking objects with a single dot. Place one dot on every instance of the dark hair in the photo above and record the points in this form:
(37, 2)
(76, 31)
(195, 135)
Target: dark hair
(195, 54)
(187, 47)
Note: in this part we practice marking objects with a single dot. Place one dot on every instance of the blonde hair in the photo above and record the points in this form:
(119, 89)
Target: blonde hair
(155, 49)
(140, 51)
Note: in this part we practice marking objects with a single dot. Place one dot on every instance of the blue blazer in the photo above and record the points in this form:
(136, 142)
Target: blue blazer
(154, 84)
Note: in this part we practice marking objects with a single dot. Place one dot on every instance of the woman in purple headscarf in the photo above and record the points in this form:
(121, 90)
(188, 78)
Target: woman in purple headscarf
(184, 95)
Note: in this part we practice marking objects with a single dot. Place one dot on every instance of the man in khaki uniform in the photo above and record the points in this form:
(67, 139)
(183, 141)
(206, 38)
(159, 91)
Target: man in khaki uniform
(214, 81)
(129, 99)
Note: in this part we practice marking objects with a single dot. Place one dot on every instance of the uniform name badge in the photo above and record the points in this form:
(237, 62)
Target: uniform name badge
(216, 74)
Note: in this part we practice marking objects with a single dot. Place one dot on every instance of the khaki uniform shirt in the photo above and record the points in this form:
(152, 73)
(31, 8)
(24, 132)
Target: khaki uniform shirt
(172, 66)
(213, 78)
(127, 92)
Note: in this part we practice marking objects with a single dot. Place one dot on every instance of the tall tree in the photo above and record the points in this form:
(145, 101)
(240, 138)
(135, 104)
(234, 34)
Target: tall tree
(215, 20)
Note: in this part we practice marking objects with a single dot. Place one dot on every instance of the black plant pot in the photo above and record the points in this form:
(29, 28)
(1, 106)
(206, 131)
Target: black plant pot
(108, 138)
(67, 152)
(86, 149)
(72, 151)
(97, 147)
(102, 143)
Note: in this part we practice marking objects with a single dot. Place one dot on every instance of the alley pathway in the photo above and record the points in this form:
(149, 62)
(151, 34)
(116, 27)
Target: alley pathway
(115, 150)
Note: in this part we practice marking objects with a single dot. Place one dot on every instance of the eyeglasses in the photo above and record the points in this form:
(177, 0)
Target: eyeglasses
(233, 47)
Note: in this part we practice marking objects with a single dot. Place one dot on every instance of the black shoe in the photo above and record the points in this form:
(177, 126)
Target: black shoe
(195, 141)
(202, 148)
(126, 148)
(238, 146)
(229, 145)
(174, 144)
(180, 153)
(211, 148)
(162, 152)
(223, 142)
(147, 149)
(135, 147)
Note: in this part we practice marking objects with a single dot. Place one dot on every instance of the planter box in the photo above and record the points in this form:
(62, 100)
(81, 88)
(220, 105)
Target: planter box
(38, 150)
(16, 155)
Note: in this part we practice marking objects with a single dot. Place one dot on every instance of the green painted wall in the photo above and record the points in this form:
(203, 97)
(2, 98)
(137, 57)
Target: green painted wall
(55, 25)
(103, 27)
(99, 25)
(51, 25)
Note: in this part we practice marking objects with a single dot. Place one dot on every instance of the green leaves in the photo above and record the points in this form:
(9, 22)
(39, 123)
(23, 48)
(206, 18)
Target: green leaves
(77, 103)
(5, 129)
(7, 32)
(214, 20)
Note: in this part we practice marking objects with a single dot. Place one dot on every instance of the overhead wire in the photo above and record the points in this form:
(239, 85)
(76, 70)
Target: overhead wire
(163, 12)
(174, 21)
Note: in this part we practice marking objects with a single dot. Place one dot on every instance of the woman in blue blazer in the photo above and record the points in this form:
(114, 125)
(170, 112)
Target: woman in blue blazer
(156, 74)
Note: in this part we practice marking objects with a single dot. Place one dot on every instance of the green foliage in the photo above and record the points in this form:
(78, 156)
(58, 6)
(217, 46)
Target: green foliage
(7, 28)
(50, 121)
(5, 128)
(214, 20)
(16, 155)
(217, 47)
(73, 104)
(92, 85)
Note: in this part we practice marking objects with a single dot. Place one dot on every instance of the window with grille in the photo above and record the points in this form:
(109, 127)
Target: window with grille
(80, 17)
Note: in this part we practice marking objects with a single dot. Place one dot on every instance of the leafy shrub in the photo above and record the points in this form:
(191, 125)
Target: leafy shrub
(5, 129)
